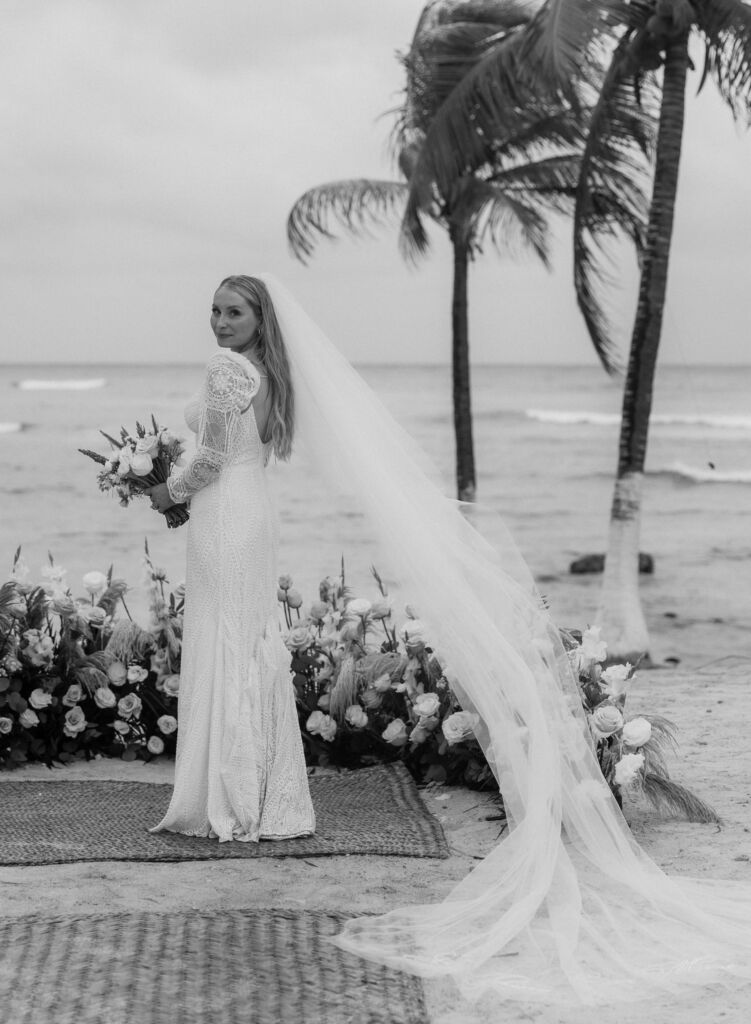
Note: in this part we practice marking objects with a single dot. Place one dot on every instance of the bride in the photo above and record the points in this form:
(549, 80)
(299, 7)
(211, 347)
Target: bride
(567, 907)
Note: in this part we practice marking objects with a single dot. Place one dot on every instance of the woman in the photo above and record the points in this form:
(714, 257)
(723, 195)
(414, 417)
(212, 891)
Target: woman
(240, 769)
(567, 907)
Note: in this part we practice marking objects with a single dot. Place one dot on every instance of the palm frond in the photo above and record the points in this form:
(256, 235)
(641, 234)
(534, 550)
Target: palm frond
(612, 197)
(670, 797)
(726, 27)
(505, 220)
(356, 205)
(553, 179)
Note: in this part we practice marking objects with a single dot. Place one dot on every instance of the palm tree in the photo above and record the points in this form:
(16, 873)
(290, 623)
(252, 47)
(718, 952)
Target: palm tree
(527, 169)
(635, 57)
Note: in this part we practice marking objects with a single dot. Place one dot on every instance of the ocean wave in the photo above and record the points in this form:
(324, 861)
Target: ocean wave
(74, 384)
(700, 475)
(570, 418)
(11, 428)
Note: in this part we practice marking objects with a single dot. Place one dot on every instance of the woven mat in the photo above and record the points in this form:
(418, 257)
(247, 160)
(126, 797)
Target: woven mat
(371, 811)
(230, 967)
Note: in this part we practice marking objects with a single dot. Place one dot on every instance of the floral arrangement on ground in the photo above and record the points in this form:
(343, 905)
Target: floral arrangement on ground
(80, 679)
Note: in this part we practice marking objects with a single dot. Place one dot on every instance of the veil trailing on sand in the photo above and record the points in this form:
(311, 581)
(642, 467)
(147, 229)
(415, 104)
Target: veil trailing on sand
(567, 907)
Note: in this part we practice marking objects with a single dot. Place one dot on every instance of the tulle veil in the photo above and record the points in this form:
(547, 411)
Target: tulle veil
(567, 908)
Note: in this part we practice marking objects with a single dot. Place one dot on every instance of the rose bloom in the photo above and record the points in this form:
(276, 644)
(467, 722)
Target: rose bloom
(459, 726)
(39, 699)
(28, 718)
(637, 732)
(137, 674)
(122, 727)
(166, 724)
(104, 697)
(129, 706)
(94, 583)
(592, 647)
(419, 734)
(356, 716)
(359, 606)
(73, 694)
(413, 633)
(324, 701)
(40, 649)
(299, 638)
(395, 733)
(170, 685)
(141, 464)
(322, 725)
(605, 720)
(285, 581)
(117, 673)
(155, 745)
(318, 611)
(148, 445)
(294, 598)
(6, 724)
(628, 768)
(75, 722)
(93, 614)
(615, 678)
(426, 705)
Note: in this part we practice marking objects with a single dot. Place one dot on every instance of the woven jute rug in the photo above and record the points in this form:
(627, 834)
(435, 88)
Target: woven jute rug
(229, 967)
(372, 811)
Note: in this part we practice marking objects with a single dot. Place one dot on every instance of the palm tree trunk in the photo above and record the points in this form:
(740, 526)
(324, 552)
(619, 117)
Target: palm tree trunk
(620, 614)
(466, 486)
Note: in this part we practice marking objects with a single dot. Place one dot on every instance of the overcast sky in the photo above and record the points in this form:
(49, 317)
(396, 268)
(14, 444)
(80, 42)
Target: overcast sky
(150, 148)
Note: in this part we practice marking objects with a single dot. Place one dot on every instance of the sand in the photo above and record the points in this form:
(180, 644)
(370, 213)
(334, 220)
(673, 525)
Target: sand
(709, 706)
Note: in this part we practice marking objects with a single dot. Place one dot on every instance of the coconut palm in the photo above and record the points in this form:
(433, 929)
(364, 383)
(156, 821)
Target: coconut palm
(635, 57)
(527, 170)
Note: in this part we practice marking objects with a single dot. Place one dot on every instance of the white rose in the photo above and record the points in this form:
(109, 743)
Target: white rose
(93, 614)
(426, 705)
(130, 705)
(324, 701)
(73, 694)
(605, 720)
(395, 733)
(359, 606)
(637, 732)
(137, 674)
(40, 699)
(155, 745)
(356, 716)
(299, 638)
(313, 722)
(141, 464)
(104, 697)
(615, 678)
(95, 583)
(147, 445)
(117, 673)
(592, 647)
(323, 725)
(122, 727)
(75, 722)
(628, 768)
(459, 726)
(6, 724)
(413, 633)
(28, 718)
(170, 685)
(167, 724)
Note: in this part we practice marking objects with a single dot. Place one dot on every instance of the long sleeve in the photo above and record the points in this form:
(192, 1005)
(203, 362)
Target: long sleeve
(228, 390)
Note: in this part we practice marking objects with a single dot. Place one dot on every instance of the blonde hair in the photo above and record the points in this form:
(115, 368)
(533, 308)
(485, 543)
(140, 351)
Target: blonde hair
(273, 354)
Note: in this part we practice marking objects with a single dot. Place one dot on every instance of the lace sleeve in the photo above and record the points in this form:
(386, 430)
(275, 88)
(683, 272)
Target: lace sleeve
(228, 390)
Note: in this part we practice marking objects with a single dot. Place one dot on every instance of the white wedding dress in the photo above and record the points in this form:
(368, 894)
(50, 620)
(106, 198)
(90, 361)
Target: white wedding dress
(240, 769)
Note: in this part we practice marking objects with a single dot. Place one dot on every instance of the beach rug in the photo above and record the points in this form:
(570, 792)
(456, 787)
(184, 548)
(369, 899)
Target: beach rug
(227, 967)
(371, 811)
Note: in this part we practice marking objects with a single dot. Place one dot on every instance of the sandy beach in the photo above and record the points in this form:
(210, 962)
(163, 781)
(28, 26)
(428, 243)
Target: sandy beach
(714, 759)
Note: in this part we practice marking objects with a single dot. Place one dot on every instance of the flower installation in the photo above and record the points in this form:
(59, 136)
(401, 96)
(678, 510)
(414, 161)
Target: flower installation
(141, 461)
(79, 679)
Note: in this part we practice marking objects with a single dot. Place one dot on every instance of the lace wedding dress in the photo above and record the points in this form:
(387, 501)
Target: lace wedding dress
(240, 770)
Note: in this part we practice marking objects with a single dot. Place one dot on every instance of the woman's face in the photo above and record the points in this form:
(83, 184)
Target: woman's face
(233, 320)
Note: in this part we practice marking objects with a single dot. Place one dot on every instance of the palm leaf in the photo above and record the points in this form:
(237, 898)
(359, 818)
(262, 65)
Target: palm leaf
(356, 205)
(669, 797)
(505, 220)
(612, 196)
(726, 26)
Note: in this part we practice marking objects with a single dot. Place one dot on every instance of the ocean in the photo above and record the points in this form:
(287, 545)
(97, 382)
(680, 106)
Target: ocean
(546, 449)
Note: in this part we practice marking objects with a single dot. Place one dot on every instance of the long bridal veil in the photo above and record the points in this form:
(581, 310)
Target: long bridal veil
(567, 907)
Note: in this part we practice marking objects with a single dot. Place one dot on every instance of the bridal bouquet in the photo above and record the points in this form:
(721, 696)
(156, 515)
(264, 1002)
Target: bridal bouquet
(138, 462)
